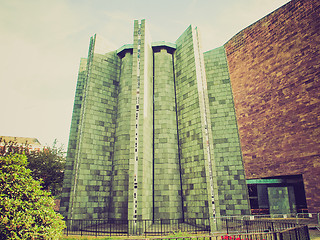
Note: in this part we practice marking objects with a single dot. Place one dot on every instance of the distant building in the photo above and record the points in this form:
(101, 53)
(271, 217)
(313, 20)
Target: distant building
(32, 143)
(164, 131)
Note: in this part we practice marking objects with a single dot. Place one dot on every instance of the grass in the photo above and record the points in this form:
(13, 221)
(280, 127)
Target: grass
(314, 234)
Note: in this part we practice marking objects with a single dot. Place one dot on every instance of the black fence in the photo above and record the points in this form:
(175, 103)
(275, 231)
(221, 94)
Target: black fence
(223, 225)
(296, 233)
(112, 227)
(243, 225)
(310, 219)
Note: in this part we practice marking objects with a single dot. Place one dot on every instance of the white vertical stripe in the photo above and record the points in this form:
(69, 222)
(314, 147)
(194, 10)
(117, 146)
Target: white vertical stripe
(136, 143)
(202, 85)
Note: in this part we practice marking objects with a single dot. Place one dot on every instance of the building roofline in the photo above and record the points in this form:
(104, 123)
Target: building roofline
(171, 47)
(164, 44)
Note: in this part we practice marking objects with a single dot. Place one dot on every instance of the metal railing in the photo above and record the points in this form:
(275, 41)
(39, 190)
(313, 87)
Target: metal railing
(112, 227)
(250, 224)
(221, 225)
(96, 227)
(310, 219)
(296, 233)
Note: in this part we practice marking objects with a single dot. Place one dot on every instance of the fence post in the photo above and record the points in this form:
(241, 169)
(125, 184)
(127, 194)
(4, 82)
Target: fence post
(227, 225)
(272, 227)
(274, 236)
(280, 235)
(246, 223)
(297, 233)
(306, 230)
(96, 228)
(67, 224)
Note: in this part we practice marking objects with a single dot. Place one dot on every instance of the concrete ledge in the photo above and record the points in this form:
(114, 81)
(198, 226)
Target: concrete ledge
(124, 49)
(157, 46)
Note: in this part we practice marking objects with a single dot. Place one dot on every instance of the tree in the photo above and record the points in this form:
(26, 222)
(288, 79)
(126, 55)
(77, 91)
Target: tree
(7, 148)
(47, 164)
(26, 211)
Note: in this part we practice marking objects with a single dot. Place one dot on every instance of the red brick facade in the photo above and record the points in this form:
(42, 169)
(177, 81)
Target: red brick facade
(274, 68)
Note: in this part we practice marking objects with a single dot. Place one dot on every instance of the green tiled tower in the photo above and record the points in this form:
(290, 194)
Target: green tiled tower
(154, 134)
(230, 177)
(167, 182)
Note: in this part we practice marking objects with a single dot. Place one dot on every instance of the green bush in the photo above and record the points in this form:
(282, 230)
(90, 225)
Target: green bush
(47, 164)
(26, 211)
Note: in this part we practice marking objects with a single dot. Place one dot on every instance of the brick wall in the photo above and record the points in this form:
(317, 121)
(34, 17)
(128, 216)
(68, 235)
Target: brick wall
(274, 71)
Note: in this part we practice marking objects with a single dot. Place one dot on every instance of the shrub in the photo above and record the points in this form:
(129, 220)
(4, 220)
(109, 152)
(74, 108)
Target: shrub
(26, 211)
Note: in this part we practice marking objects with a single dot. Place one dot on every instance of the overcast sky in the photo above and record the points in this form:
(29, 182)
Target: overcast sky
(42, 41)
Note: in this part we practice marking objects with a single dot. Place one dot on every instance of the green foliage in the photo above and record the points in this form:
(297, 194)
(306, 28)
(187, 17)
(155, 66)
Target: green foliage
(26, 211)
(46, 165)
(11, 147)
